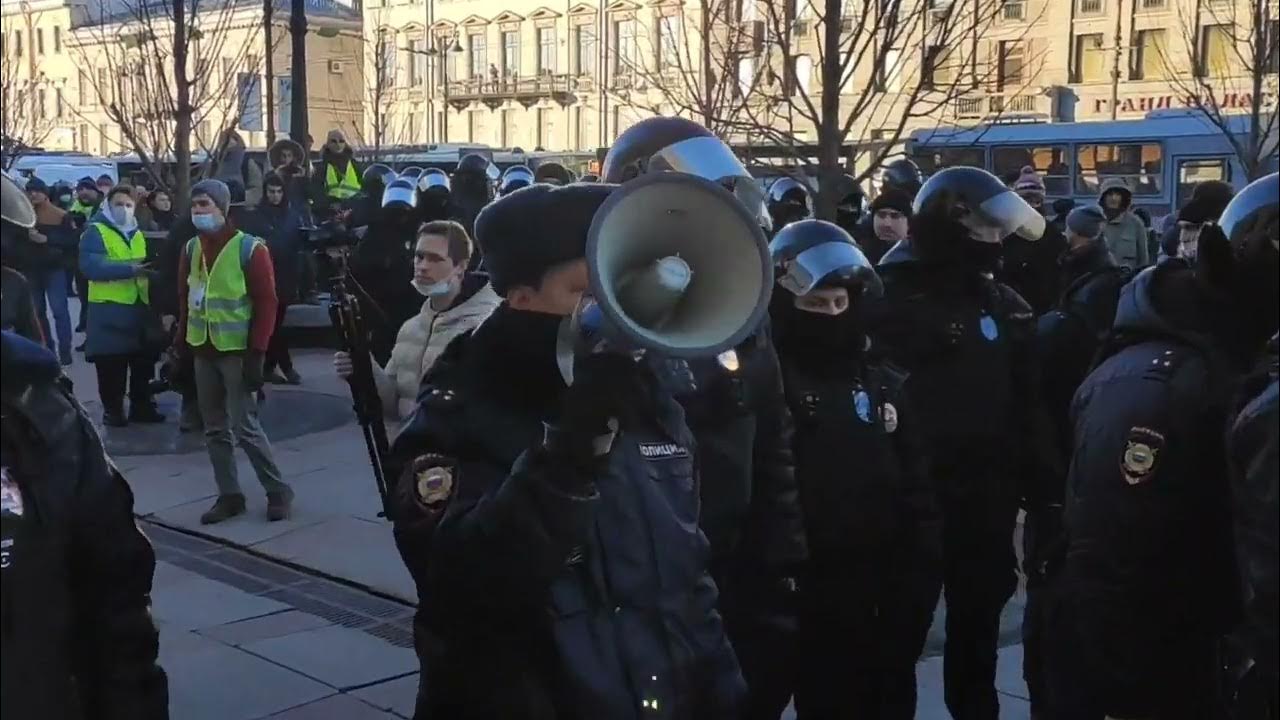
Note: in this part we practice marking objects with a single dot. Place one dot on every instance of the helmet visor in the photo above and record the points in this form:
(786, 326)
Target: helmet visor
(1011, 215)
(807, 270)
(711, 159)
(400, 193)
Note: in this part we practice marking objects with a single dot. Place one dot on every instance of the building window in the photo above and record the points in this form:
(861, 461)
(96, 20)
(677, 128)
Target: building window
(57, 40)
(473, 126)
(624, 31)
(1153, 4)
(505, 127)
(579, 130)
(669, 42)
(546, 51)
(386, 68)
(479, 56)
(1013, 10)
(60, 105)
(1147, 59)
(82, 90)
(1091, 60)
(1216, 47)
(284, 103)
(249, 101)
(1273, 44)
(1090, 7)
(798, 75)
(17, 43)
(511, 53)
(414, 124)
(417, 61)
(585, 42)
(39, 41)
(544, 128)
(41, 113)
(890, 71)
(102, 140)
(1013, 57)
(104, 86)
(939, 69)
(84, 138)
(746, 76)
(617, 120)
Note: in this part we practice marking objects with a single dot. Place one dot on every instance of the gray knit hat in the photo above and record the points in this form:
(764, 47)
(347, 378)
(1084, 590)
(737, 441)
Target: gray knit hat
(215, 190)
(1086, 221)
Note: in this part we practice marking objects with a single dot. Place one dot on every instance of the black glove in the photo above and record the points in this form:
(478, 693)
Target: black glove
(253, 370)
(606, 388)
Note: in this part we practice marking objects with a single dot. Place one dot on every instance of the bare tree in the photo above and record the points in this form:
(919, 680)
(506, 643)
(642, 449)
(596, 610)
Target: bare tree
(24, 120)
(162, 69)
(811, 77)
(383, 127)
(1234, 58)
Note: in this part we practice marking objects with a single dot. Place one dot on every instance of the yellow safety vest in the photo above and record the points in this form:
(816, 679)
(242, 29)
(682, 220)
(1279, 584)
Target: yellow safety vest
(218, 304)
(79, 208)
(342, 189)
(129, 290)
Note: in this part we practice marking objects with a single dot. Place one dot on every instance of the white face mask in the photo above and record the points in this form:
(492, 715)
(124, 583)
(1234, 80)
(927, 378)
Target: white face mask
(431, 290)
(122, 216)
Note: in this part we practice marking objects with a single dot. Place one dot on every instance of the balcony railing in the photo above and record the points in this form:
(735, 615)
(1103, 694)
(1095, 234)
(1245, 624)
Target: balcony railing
(1013, 10)
(527, 90)
(1091, 7)
(974, 107)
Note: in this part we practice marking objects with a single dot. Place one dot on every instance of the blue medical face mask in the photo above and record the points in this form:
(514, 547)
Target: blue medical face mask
(207, 222)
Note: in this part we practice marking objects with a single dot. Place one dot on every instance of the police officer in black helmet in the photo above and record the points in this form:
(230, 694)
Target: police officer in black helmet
(514, 178)
(1148, 583)
(382, 262)
(472, 190)
(851, 203)
(789, 201)
(1251, 221)
(78, 638)
(552, 173)
(750, 512)
(874, 572)
(966, 341)
(435, 196)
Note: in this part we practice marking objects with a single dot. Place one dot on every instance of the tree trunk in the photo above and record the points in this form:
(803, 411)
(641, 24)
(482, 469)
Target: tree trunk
(830, 137)
(182, 111)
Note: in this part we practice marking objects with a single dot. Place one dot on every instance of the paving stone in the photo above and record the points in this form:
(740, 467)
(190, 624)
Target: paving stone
(349, 548)
(261, 628)
(198, 602)
(337, 656)
(334, 707)
(397, 695)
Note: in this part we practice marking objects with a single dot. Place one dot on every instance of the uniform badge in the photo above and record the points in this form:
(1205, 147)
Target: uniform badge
(1141, 454)
(889, 416)
(432, 481)
(862, 405)
(10, 494)
(990, 330)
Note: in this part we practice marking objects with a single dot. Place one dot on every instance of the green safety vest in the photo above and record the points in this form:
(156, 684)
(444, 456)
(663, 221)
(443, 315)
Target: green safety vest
(129, 290)
(223, 310)
(342, 189)
(79, 208)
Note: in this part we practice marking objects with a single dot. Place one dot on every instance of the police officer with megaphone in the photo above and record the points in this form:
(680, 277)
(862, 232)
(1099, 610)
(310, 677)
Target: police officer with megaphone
(967, 342)
(548, 508)
(738, 414)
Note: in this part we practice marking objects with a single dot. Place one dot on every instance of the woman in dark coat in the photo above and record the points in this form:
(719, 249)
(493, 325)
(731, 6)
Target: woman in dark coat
(161, 206)
(280, 226)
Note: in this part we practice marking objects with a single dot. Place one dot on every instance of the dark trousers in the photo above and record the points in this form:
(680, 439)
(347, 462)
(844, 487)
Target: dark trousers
(766, 641)
(979, 513)
(278, 349)
(82, 292)
(115, 371)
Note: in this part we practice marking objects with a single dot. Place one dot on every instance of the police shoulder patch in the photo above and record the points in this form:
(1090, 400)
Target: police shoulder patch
(1141, 454)
(889, 416)
(434, 477)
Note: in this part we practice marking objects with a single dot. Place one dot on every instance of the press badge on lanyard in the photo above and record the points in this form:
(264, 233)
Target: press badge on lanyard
(195, 296)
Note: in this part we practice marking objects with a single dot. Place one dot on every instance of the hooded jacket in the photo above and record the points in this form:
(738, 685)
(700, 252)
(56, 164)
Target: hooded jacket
(1125, 233)
(78, 637)
(1149, 578)
(423, 338)
(111, 328)
(237, 165)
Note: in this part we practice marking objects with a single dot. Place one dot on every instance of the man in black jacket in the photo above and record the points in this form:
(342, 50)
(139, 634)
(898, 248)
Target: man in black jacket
(967, 342)
(1149, 583)
(79, 641)
(552, 531)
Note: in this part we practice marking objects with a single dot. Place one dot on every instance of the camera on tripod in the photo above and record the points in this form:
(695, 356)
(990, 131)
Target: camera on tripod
(330, 235)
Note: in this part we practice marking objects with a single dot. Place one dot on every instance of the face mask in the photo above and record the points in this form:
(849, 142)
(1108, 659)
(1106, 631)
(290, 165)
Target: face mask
(206, 223)
(122, 216)
(432, 289)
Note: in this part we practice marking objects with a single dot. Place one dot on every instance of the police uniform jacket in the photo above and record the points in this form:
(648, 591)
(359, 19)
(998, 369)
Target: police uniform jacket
(750, 510)
(543, 602)
(1148, 570)
(1253, 447)
(78, 637)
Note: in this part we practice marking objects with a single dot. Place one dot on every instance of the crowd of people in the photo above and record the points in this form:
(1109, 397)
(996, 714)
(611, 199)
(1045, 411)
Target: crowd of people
(721, 536)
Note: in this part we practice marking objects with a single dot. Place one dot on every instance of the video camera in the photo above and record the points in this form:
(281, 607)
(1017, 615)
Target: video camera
(331, 234)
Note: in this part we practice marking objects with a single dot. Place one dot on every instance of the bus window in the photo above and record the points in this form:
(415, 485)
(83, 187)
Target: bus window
(1140, 166)
(1195, 171)
(1050, 162)
(931, 160)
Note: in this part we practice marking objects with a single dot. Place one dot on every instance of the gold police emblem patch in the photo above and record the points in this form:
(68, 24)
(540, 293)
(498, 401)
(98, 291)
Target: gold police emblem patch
(433, 484)
(1141, 454)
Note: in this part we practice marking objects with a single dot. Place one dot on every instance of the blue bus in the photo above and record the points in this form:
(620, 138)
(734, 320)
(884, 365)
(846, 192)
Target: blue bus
(1161, 157)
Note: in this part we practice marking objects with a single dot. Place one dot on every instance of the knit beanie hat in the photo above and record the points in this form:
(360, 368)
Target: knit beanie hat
(1086, 221)
(1029, 181)
(215, 190)
(891, 198)
(35, 184)
(86, 183)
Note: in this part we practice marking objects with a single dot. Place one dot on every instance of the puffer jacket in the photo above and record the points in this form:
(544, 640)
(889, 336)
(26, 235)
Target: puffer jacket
(113, 328)
(1125, 233)
(424, 337)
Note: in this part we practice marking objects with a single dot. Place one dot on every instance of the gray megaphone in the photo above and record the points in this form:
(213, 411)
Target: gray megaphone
(677, 266)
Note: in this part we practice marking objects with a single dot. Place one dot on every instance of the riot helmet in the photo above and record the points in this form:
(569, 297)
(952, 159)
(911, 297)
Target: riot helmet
(978, 201)
(1241, 255)
(471, 179)
(789, 201)
(402, 192)
(552, 173)
(851, 201)
(472, 163)
(375, 180)
(904, 175)
(1253, 215)
(15, 207)
(516, 177)
(659, 144)
(815, 253)
(433, 181)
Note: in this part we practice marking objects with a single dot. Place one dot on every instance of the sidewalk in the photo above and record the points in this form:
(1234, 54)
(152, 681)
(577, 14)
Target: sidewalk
(335, 529)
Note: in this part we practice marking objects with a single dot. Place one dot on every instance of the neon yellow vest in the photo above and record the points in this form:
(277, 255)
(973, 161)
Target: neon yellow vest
(218, 305)
(342, 189)
(79, 208)
(129, 290)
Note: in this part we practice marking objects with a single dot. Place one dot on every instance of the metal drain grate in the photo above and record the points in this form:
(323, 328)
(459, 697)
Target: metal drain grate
(383, 618)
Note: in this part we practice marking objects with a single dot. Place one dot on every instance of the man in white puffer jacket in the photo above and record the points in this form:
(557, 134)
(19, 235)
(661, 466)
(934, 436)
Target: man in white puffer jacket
(455, 303)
